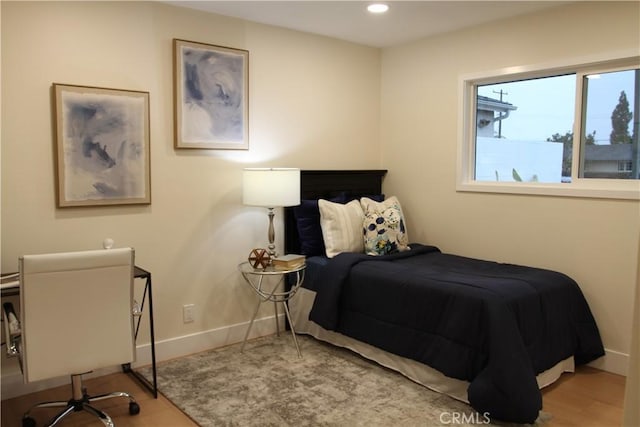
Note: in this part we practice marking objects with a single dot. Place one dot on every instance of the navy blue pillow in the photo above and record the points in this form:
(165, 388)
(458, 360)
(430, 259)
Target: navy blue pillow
(374, 197)
(307, 216)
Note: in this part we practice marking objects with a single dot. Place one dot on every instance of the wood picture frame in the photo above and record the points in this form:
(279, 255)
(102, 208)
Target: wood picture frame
(211, 96)
(102, 146)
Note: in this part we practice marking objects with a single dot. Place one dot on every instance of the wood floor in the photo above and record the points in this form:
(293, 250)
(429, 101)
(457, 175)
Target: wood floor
(153, 412)
(589, 397)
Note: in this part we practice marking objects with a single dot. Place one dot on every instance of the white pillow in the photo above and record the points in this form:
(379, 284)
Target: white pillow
(384, 227)
(341, 227)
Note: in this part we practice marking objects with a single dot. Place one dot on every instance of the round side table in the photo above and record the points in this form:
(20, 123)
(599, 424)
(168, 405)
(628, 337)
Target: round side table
(255, 278)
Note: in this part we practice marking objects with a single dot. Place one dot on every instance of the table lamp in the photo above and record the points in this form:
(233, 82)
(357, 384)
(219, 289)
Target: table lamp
(271, 188)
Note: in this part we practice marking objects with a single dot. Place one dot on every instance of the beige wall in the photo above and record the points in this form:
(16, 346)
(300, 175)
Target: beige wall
(594, 241)
(314, 103)
(632, 387)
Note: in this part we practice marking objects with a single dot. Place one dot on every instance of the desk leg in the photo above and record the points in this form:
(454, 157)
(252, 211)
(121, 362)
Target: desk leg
(153, 340)
(152, 386)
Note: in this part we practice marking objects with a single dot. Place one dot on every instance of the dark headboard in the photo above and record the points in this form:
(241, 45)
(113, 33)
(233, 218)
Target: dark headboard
(326, 184)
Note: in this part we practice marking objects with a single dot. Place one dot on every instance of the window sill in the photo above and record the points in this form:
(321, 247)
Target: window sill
(596, 189)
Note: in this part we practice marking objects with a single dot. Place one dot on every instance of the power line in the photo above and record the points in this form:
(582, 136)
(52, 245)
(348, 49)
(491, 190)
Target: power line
(501, 92)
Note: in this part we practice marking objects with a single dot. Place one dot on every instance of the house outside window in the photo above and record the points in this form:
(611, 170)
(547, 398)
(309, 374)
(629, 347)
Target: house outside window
(518, 130)
(489, 112)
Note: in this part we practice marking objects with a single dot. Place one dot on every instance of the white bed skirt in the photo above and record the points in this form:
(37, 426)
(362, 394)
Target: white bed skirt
(300, 306)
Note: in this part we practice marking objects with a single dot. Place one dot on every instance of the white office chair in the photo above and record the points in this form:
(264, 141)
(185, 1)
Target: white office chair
(75, 316)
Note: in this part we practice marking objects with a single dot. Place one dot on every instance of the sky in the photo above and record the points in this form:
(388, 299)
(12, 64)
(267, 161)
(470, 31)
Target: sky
(546, 106)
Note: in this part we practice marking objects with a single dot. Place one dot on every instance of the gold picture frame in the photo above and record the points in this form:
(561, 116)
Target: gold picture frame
(102, 146)
(211, 96)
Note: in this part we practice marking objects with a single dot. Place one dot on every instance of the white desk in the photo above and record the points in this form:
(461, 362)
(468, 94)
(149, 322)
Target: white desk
(9, 284)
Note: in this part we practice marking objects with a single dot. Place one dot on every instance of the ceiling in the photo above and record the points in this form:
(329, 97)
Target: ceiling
(349, 20)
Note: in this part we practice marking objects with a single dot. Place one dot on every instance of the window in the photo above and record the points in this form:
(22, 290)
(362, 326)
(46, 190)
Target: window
(515, 144)
(518, 130)
(610, 101)
(625, 166)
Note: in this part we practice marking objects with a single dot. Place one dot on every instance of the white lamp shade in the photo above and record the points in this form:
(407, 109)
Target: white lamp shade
(271, 187)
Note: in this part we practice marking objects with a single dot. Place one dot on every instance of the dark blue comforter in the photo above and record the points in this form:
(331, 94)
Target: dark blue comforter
(494, 325)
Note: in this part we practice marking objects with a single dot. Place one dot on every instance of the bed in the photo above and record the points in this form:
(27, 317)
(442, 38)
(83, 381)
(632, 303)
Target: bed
(486, 333)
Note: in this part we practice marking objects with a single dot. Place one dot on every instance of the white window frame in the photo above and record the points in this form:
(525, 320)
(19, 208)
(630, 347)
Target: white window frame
(578, 187)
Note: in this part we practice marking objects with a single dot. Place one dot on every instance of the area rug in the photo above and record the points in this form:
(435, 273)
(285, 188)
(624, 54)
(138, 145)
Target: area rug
(269, 385)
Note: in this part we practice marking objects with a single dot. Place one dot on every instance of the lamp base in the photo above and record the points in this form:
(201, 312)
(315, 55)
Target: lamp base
(272, 236)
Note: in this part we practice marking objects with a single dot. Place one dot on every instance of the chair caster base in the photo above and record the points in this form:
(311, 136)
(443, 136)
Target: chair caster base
(134, 408)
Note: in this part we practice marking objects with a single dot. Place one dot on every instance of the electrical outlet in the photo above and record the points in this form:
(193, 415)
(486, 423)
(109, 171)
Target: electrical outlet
(188, 313)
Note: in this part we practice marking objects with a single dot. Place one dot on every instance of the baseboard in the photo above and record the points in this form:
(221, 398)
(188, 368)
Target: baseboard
(206, 340)
(13, 385)
(613, 361)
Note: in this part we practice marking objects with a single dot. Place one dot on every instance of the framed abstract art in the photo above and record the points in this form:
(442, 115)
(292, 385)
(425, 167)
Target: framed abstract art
(102, 146)
(211, 96)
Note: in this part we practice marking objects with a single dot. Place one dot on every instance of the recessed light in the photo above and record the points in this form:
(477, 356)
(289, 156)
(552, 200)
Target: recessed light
(377, 8)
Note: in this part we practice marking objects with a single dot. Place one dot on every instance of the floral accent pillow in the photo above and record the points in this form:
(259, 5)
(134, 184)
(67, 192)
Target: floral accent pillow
(383, 227)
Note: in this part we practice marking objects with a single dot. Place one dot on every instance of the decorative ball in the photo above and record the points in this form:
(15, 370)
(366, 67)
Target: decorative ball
(259, 258)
